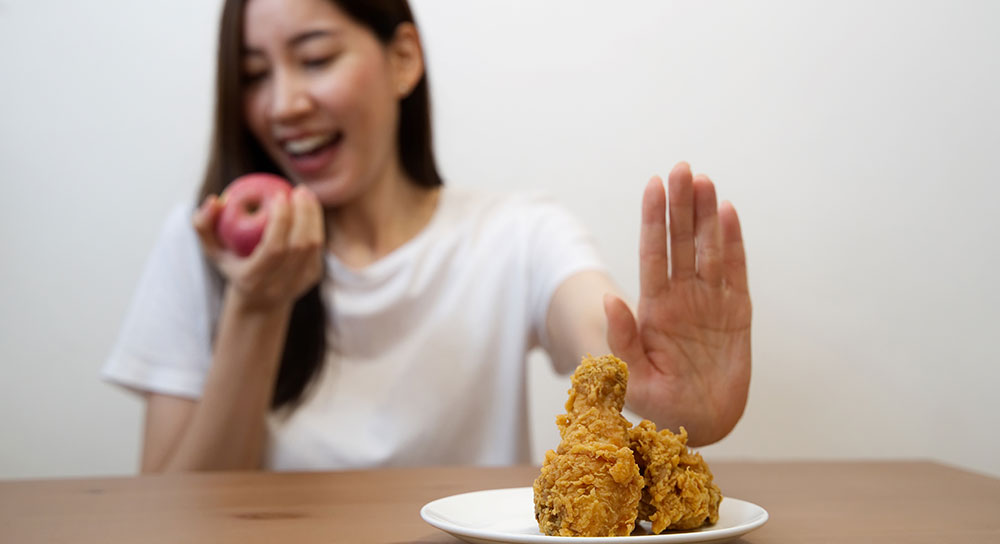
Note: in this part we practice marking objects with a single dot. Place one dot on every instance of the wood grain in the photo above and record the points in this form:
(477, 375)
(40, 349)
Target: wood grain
(821, 502)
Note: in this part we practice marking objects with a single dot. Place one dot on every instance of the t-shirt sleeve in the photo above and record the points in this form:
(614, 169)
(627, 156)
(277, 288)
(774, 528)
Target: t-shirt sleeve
(164, 345)
(559, 247)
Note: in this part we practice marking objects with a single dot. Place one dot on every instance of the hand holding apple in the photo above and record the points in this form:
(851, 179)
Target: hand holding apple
(245, 210)
(285, 226)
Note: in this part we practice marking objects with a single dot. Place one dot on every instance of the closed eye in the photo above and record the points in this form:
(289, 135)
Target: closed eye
(249, 78)
(318, 62)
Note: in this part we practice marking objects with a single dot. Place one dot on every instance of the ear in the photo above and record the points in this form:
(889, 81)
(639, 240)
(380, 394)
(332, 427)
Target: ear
(406, 59)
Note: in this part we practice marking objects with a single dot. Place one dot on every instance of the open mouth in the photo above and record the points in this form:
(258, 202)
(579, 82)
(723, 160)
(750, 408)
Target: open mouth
(312, 146)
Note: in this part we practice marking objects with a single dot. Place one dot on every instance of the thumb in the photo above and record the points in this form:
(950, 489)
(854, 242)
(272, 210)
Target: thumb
(623, 335)
(204, 220)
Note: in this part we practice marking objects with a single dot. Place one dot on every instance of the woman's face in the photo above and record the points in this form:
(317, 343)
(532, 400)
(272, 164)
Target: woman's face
(321, 96)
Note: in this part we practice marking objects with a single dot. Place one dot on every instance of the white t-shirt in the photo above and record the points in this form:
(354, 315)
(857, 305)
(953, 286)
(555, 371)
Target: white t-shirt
(427, 346)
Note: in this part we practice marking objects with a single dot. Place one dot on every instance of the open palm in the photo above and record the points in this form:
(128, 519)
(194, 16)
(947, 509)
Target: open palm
(688, 347)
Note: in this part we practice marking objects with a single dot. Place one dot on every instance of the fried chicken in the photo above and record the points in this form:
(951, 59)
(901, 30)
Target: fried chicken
(591, 485)
(606, 474)
(679, 491)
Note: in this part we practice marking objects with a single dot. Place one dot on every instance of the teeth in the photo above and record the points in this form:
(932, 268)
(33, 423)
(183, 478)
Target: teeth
(307, 145)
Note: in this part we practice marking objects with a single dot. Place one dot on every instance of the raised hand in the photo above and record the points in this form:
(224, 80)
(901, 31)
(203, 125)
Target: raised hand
(287, 262)
(688, 347)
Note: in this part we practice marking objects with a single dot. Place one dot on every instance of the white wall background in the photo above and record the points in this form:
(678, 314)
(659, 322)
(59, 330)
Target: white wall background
(858, 139)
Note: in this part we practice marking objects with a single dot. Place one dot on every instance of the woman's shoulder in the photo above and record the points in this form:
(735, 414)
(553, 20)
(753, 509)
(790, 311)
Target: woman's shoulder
(176, 231)
(178, 219)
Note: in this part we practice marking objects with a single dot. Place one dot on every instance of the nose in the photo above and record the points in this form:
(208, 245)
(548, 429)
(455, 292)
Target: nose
(290, 99)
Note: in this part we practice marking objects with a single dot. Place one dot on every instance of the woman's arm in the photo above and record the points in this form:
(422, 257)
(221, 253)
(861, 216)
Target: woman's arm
(575, 322)
(225, 428)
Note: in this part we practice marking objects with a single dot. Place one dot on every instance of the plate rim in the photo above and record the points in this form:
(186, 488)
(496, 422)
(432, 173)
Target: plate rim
(711, 535)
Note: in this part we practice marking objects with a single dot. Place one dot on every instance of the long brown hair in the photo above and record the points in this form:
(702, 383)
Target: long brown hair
(234, 152)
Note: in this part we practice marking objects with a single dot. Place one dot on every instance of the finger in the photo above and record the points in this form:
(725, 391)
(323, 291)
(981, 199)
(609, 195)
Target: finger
(306, 235)
(734, 256)
(204, 220)
(275, 238)
(654, 266)
(315, 216)
(300, 232)
(708, 237)
(623, 335)
(317, 230)
(682, 257)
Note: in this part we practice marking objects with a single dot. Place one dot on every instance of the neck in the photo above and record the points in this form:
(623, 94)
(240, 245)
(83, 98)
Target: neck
(385, 217)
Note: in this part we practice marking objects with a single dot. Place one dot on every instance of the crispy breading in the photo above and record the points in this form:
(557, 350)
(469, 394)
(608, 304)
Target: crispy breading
(590, 486)
(606, 474)
(679, 492)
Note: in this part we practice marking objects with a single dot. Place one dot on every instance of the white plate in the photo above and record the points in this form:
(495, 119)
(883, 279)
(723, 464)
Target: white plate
(508, 515)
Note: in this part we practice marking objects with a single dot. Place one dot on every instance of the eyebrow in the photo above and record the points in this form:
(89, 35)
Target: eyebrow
(298, 39)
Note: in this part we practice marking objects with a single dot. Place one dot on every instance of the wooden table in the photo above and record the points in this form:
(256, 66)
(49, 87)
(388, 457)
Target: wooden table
(808, 502)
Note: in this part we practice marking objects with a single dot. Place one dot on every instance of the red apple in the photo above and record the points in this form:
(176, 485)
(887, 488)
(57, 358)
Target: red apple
(246, 205)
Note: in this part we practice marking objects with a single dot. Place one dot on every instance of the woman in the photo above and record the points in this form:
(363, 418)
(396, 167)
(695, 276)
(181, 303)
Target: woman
(383, 319)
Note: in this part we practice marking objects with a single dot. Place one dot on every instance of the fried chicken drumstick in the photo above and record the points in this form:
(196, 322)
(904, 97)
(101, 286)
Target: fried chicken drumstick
(590, 486)
(606, 474)
(679, 492)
